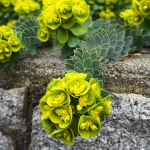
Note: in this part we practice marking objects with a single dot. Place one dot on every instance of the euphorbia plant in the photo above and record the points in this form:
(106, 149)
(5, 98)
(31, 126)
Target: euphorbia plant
(74, 106)
(66, 21)
(10, 46)
(141, 13)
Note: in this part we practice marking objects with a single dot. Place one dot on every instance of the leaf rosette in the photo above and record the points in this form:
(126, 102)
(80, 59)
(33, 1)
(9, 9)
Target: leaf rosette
(5, 51)
(77, 88)
(66, 135)
(64, 8)
(88, 126)
(61, 115)
(58, 97)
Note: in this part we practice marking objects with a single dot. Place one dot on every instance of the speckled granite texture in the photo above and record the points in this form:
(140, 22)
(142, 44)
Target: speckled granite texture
(128, 128)
(6, 142)
(13, 109)
(128, 76)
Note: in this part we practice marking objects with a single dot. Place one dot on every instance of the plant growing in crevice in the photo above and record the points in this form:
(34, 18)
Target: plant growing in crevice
(74, 106)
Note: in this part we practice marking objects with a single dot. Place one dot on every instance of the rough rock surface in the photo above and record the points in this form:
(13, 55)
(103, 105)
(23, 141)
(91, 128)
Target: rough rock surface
(128, 76)
(128, 128)
(5, 142)
(13, 109)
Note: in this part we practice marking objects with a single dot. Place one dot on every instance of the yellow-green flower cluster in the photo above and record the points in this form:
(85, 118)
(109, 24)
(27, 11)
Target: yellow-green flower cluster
(141, 11)
(9, 24)
(127, 16)
(108, 2)
(27, 7)
(107, 7)
(61, 15)
(7, 11)
(107, 14)
(73, 106)
(9, 43)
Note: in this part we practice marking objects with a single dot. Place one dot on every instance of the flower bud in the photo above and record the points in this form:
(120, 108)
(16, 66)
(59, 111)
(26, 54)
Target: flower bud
(93, 127)
(68, 138)
(58, 135)
(6, 50)
(57, 111)
(82, 126)
(67, 118)
(79, 107)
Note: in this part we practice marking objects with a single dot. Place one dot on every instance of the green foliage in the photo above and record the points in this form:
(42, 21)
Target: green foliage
(141, 13)
(10, 47)
(146, 37)
(67, 21)
(26, 30)
(27, 8)
(7, 12)
(107, 8)
(105, 39)
(74, 106)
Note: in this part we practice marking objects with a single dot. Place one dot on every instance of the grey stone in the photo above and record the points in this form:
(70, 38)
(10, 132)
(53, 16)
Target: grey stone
(13, 109)
(128, 128)
(6, 142)
(128, 76)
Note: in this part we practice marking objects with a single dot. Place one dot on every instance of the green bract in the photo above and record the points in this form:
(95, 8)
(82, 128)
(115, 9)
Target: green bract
(95, 88)
(137, 17)
(88, 126)
(108, 103)
(43, 34)
(61, 115)
(144, 7)
(58, 97)
(5, 51)
(85, 102)
(15, 43)
(66, 135)
(66, 103)
(98, 111)
(77, 76)
(77, 87)
(81, 12)
(64, 8)
(6, 32)
(52, 20)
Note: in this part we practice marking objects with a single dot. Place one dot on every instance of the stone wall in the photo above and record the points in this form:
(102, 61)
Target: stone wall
(22, 87)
